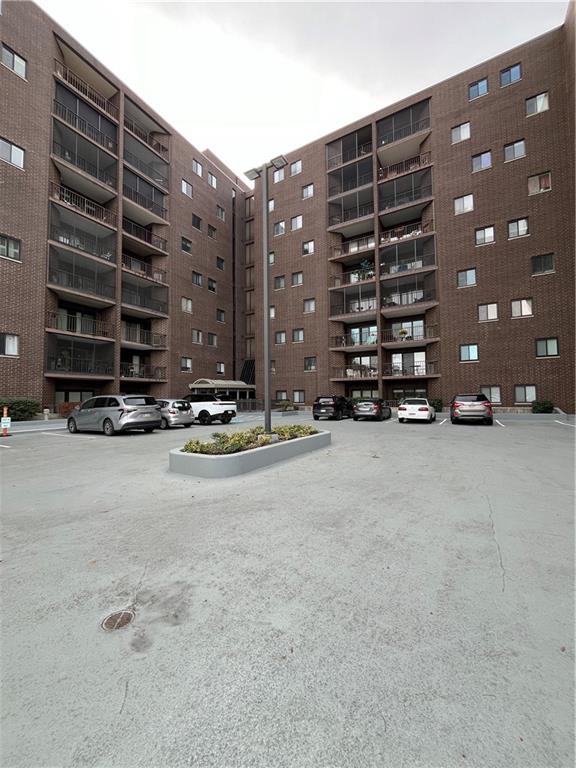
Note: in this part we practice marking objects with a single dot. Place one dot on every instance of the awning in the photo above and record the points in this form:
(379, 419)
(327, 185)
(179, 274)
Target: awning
(219, 384)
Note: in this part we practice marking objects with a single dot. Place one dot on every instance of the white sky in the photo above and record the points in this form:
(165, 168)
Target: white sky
(253, 80)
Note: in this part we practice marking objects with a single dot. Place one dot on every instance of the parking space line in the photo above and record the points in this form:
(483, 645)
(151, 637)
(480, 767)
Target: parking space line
(442, 422)
(500, 423)
(75, 437)
(564, 424)
(5, 446)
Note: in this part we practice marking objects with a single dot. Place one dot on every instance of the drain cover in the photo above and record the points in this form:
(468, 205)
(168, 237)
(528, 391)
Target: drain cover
(118, 620)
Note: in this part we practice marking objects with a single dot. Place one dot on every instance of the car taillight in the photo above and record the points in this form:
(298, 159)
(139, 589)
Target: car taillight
(172, 410)
(456, 404)
(401, 407)
(423, 408)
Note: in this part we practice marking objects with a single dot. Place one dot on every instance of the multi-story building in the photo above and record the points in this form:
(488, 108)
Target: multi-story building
(428, 249)
(119, 240)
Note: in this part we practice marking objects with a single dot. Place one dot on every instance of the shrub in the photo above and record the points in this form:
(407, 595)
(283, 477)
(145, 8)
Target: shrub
(20, 408)
(224, 443)
(436, 403)
(285, 405)
(542, 406)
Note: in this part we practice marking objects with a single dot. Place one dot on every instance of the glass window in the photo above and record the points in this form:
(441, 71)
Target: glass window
(220, 369)
(279, 282)
(197, 279)
(187, 188)
(307, 191)
(297, 278)
(463, 204)
(547, 347)
(280, 337)
(309, 305)
(515, 150)
(460, 133)
(196, 336)
(220, 316)
(271, 257)
(272, 312)
(9, 344)
(13, 61)
(542, 264)
(482, 161)
(186, 364)
(212, 285)
(485, 235)
(309, 363)
(468, 353)
(525, 393)
(492, 393)
(220, 263)
(270, 205)
(220, 213)
(510, 75)
(281, 394)
(541, 182)
(298, 396)
(279, 228)
(272, 366)
(536, 104)
(477, 89)
(211, 232)
(186, 245)
(186, 304)
(278, 175)
(10, 248)
(296, 222)
(196, 222)
(11, 153)
(308, 248)
(517, 228)
(296, 168)
(487, 312)
(212, 340)
(298, 335)
(521, 307)
(212, 181)
(197, 167)
(466, 277)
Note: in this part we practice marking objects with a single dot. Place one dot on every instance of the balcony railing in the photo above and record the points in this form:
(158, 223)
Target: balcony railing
(146, 168)
(348, 214)
(80, 85)
(418, 369)
(136, 299)
(144, 269)
(145, 136)
(142, 336)
(355, 372)
(403, 198)
(401, 133)
(84, 325)
(72, 157)
(354, 276)
(411, 334)
(84, 127)
(354, 340)
(144, 234)
(349, 154)
(144, 201)
(408, 264)
(409, 297)
(62, 363)
(103, 247)
(352, 307)
(130, 371)
(360, 181)
(407, 230)
(406, 166)
(83, 204)
(355, 246)
(67, 279)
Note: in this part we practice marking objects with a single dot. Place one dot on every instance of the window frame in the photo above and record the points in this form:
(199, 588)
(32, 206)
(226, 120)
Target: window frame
(295, 168)
(186, 369)
(546, 340)
(513, 145)
(465, 271)
(481, 155)
(7, 247)
(518, 315)
(184, 308)
(465, 210)
(12, 148)
(535, 99)
(299, 220)
(544, 271)
(304, 244)
(279, 228)
(540, 176)
(184, 187)
(458, 127)
(510, 69)
(479, 230)
(307, 187)
(280, 335)
(475, 84)
(197, 167)
(495, 401)
(185, 240)
(4, 336)
(297, 279)
(525, 401)
(516, 222)
(12, 68)
(469, 359)
(313, 367)
(488, 308)
(297, 335)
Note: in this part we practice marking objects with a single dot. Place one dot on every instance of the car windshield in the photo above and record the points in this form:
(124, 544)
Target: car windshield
(325, 400)
(416, 401)
(140, 400)
(367, 402)
(181, 405)
(480, 398)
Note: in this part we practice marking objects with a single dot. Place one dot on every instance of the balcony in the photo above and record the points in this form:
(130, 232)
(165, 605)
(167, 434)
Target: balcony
(142, 208)
(400, 135)
(70, 282)
(354, 304)
(83, 167)
(354, 340)
(143, 269)
(144, 235)
(406, 166)
(70, 77)
(352, 214)
(144, 301)
(81, 239)
(84, 127)
(79, 279)
(410, 371)
(359, 275)
(142, 372)
(72, 367)
(136, 129)
(414, 302)
(406, 231)
(354, 372)
(413, 256)
(406, 337)
(81, 325)
(348, 250)
(83, 205)
(405, 198)
(347, 155)
(403, 131)
(69, 357)
(157, 175)
(138, 338)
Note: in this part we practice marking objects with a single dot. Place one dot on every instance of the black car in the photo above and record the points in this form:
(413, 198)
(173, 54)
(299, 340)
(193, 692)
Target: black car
(332, 407)
(372, 408)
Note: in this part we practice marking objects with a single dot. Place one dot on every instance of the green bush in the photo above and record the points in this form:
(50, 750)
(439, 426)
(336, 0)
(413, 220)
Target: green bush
(223, 443)
(436, 403)
(285, 405)
(542, 406)
(20, 408)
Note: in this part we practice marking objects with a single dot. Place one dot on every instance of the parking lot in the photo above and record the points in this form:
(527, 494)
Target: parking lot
(402, 599)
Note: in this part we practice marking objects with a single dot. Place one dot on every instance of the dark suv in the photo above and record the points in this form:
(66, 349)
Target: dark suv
(332, 407)
(475, 407)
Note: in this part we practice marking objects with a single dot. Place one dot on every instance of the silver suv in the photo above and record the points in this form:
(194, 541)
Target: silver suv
(115, 413)
(176, 412)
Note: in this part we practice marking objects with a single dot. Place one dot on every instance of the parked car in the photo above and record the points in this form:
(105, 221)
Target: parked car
(176, 412)
(372, 408)
(115, 413)
(208, 407)
(474, 406)
(332, 407)
(416, 408)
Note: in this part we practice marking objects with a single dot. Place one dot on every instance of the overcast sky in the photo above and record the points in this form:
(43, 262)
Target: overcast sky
(252, 80)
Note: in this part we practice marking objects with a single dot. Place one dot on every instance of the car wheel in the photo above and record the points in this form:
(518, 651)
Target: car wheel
(226, 419)
(434, 417)
(188, 425)
(338, 416)
(149, 429)
(355, 418)
(163, 424)
(489, 421)
(72, 426)
(401, 421)
(204, 418)
(453, 420)
(316, 418)
(380, 417)
(108, 428)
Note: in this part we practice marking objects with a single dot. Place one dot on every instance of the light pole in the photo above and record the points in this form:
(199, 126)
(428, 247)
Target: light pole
(277, 163)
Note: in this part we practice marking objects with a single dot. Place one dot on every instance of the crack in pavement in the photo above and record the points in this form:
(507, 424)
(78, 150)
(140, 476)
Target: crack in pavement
(124, 699)
(502, 569)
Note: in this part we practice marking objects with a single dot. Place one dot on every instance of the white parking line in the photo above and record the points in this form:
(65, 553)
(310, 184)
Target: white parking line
(564, 424)
(500, 423)
(75, 437)
(5, 446)
(442, 422)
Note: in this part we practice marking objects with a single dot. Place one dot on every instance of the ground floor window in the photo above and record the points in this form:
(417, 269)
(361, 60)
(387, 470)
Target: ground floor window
(73, 395)
(360, 393)
(402, 394)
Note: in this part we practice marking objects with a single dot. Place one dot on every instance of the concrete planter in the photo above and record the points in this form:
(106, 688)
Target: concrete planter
(199, 465)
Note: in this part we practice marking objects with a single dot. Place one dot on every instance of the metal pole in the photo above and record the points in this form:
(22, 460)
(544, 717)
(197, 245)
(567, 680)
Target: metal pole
(266, 302)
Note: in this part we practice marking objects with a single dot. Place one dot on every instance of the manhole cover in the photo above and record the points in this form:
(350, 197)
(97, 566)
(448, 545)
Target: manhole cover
(117, 620)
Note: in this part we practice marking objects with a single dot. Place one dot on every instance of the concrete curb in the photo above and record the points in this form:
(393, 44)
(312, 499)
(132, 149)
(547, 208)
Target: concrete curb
(198, 465)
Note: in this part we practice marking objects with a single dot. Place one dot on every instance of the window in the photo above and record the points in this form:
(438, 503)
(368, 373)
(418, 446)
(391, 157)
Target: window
(463, 204)
(298, 335)
(280, 337)
(309, 305)
(212, 340)
(10, 248)
(220, 213)
(9, 344)
(482, 161)
(547, 347)
(212, 232)
(279, 282)
(187, 188)
(212, 285)
(186, 245)
(487, 312)
(279, 228)
(484, 235)
(297, 278)
(525, 393)
(270, 205)
(186, 304)
(249, 206)
(271, 257)
(281, 394)
(307, 191)
(309, 363)
(298, 396)
(272, 311)
(11, 153)
(220, 369)
(515, 150)
(197, 279)
(510, 75)
(517, 228)
(521, 308)
(249, 230)
(542, 182)
(537, 104)
(220, 263)
(278, 175)
(460, 133)
(296, 223)
(196, 222)
(477, 89)
(466, 277)
(295, 167)
(212, 181)
(197, 167)
(492, 393)
(196, 336)
(307, 247)
(220, 316)
(272, 366)
(186, 364)
(468, 353)
(542, 264)
(14, 62)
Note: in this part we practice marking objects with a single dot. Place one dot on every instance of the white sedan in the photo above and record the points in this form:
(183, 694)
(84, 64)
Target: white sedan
(416, 408)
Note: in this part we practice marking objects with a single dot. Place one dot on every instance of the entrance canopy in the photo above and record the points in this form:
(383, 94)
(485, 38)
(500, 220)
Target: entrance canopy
(236, 389)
